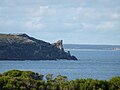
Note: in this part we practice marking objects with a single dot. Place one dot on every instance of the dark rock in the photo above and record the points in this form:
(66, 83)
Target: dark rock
(24, 47)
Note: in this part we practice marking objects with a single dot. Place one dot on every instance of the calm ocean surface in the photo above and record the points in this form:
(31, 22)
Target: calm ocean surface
(97, 64)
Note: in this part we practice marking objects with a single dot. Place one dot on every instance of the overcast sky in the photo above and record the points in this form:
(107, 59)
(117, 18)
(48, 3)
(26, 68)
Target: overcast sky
(74, 21)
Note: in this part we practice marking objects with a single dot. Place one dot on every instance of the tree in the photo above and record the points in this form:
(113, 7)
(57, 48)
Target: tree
(13, 73)
(115, 83)
(26, 80)
(49, 76)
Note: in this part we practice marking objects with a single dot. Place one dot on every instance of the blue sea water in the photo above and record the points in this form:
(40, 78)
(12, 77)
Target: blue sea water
(97, 64)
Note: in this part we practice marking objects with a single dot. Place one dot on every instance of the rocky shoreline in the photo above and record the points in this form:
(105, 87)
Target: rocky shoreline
(24, 47)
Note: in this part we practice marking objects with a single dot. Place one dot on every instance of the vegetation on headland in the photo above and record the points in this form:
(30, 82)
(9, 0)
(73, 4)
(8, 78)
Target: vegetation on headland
(28, 80)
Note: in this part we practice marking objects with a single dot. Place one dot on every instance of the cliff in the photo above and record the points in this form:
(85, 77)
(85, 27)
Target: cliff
(24, 47)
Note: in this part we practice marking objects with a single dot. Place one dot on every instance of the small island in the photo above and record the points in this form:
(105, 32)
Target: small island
(24, 47)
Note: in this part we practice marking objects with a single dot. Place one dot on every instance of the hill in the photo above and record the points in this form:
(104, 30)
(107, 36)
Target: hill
(24, 47)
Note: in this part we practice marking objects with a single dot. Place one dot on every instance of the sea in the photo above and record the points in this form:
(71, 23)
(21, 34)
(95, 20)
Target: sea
(98, 63)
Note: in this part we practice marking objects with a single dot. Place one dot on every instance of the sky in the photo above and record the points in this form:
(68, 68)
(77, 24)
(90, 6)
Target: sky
(73, 21)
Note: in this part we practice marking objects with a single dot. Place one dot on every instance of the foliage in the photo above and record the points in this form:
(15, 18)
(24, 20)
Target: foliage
(28, 80)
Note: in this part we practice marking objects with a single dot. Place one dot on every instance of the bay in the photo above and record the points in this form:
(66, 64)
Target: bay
(97, 64)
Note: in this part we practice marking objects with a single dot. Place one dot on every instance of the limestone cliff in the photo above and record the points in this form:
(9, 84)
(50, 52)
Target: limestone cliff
(59, 44)
(24, 47)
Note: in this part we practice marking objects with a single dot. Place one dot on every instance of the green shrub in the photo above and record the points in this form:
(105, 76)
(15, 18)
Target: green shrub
(28, 80)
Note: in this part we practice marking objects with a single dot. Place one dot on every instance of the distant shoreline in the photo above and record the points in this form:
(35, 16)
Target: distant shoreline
(94, 49)
(83, 47)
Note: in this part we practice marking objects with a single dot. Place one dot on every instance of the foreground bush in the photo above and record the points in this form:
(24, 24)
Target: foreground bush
(28, 80)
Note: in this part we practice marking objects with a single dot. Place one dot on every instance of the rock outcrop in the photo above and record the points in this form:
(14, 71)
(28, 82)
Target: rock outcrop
(24, 47)
(59, 44)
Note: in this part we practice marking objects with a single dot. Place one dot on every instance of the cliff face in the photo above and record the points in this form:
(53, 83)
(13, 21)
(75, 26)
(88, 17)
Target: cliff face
(24, 47)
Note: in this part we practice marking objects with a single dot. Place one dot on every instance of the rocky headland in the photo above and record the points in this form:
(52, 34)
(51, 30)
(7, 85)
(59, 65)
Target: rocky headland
(24, 47)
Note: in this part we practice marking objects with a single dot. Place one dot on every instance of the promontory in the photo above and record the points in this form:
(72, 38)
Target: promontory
(24, 47)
